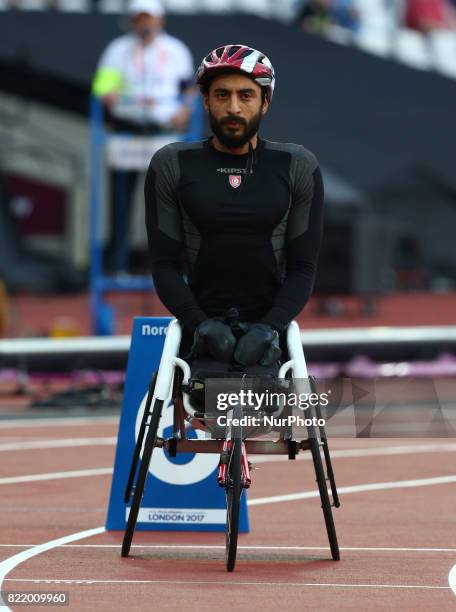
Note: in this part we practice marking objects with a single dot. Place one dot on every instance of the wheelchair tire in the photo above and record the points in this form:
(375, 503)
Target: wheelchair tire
(326, 453)
(233, 499)
(324, 496)
(149, 445)
(139, 441)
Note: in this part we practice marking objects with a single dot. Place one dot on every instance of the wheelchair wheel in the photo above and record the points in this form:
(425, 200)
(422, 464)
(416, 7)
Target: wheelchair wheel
(326, 453)
(233, 498)
(140, 440)
(149, 444)
(324, 496)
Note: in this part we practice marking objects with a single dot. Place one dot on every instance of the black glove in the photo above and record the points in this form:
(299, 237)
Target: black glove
(259, 344)
(216, 338)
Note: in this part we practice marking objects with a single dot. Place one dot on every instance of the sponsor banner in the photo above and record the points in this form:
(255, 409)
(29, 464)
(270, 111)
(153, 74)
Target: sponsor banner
(183, 516)
(135, 152)
(187, 481)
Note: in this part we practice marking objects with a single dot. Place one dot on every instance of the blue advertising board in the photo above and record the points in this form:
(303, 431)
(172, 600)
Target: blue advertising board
(181, 493)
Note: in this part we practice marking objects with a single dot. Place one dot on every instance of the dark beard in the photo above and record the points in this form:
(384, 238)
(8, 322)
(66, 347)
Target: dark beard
(233, 141)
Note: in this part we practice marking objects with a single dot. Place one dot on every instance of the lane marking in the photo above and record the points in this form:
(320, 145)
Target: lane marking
(11, 563)
(61, 443)
(56, 421)
(230, 582)
(242, 547)
(376, 486)
(55, 476)
(422, 482)
(342, 453)
(366, 452)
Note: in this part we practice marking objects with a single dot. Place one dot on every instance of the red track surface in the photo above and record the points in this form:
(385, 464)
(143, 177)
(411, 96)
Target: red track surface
(265, 578)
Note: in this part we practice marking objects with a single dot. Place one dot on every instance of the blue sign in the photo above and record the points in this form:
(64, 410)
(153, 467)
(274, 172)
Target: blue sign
(181, 493)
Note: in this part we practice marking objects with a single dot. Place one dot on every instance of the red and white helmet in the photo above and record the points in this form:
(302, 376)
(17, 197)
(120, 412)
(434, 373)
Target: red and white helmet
(240, 58)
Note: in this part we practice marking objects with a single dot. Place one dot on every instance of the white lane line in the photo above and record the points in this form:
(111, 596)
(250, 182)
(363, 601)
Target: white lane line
(366, 452)
(11, 563)
(56, 422)
(241, 547)
(56, 475)
(62, 443)
(258, 459)
(376, 486)
(346, 453)
(231, 582)
(264, 500)
(452, 579)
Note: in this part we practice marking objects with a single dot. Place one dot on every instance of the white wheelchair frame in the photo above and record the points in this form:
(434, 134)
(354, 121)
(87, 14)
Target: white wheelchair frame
(166, 388)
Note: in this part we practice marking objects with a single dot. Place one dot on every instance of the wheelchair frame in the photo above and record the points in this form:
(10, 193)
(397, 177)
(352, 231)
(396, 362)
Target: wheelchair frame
(233, 472)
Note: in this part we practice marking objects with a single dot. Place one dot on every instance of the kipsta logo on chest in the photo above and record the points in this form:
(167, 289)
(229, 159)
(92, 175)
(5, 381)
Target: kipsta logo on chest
(235, 180)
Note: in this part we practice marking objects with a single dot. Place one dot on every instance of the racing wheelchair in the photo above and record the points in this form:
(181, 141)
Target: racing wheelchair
(176, 384)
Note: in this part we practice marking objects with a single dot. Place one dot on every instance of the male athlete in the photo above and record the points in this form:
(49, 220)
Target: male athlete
(243, 214)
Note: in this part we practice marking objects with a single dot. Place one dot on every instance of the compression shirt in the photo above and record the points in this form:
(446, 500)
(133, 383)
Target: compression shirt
(246, 242)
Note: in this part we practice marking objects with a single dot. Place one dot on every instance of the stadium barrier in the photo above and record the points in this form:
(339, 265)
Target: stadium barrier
(324, 344)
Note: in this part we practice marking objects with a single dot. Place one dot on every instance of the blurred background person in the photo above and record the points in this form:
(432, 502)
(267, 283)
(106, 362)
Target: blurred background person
(345, 14)
(434, 21)
(427, 16)
(318, 16)
(144, 81)
(314, 16)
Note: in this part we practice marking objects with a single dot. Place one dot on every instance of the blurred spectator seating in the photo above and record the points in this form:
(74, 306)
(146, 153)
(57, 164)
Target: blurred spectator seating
(262, 8)
(378, 22)
(181, 6)
(443, 48)
(72, 6)
(378, 14)
(412, 49)
(435, 22)
(216, 6)
(420, 33)
(25, 5)
(109, 6)
(281, 9)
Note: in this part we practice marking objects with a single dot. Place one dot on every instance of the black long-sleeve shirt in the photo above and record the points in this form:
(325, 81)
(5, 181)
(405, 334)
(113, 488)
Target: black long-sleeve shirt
(251, 244)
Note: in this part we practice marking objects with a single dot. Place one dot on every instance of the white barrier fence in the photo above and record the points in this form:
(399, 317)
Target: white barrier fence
(368, 336)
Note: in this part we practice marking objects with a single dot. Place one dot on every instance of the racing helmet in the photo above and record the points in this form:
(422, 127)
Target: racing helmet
(238, 58)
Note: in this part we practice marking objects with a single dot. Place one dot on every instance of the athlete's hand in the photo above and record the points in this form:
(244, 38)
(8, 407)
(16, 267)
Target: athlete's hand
(259, 345)
(216, 338)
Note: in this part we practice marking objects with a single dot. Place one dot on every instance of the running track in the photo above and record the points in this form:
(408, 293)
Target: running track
(396, 529)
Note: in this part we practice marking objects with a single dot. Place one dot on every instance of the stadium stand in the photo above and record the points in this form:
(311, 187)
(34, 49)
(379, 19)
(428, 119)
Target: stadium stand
(381, 27)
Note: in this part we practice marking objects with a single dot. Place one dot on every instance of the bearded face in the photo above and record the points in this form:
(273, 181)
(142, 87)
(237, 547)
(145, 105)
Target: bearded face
(235, 106)
(234, 132)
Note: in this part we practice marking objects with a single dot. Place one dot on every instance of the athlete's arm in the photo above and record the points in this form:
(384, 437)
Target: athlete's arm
(302, 251)
(165, 239)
